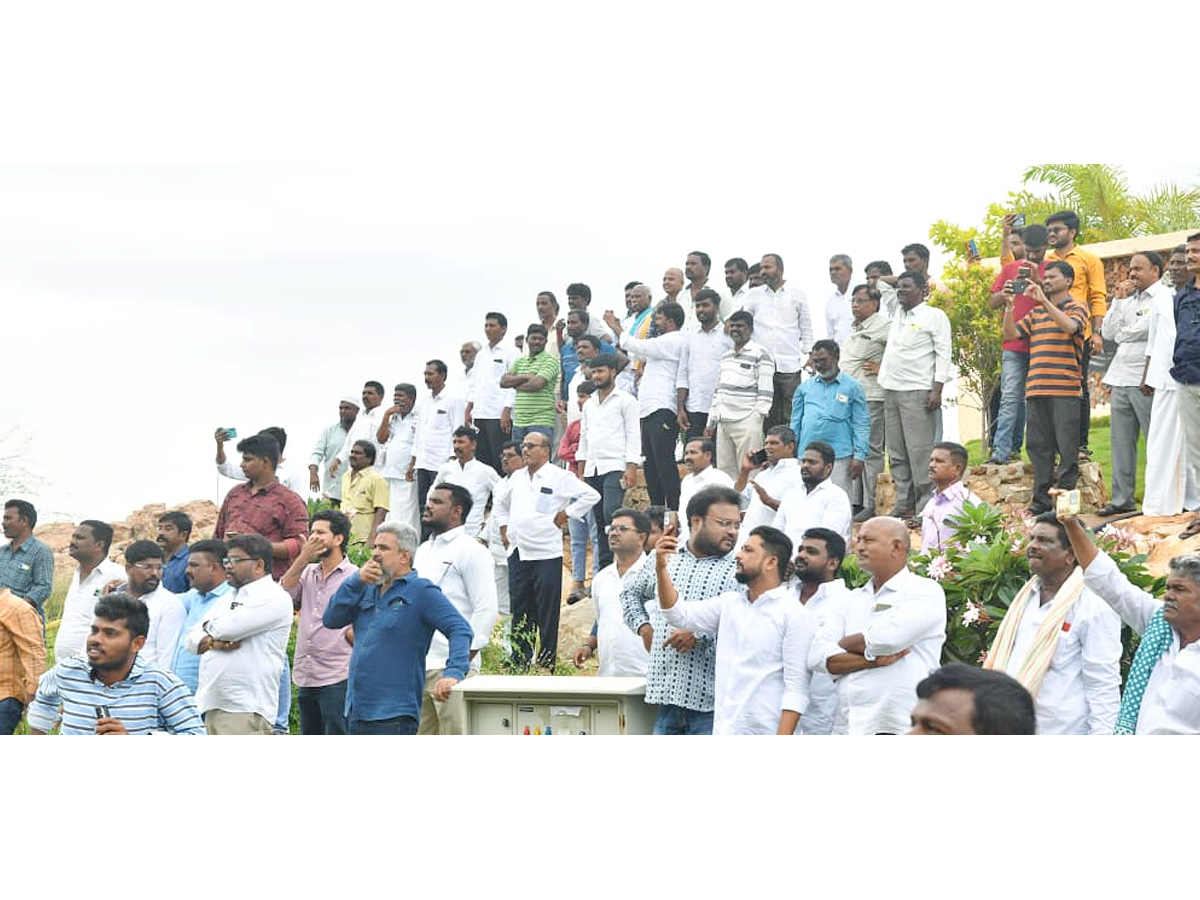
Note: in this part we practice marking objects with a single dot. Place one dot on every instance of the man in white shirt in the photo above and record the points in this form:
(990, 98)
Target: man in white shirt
(397, 432)
(242, 642)
(784, 326)
(610, 446)
(1060, 641)
(489, 406)
(89, 547)
(143, 581)
(328, 444)
(777, 473)
(696, 269)
(818, 558)
(763, 637)
(579, 297)
(365, 427)
(510, 460)
(700, 365)
(289, 476)
(837, 308)
(698, 458)
(737, 274)
(742, 397)
(470, 473)
(622, 653)
(437, 416)
(916, 364)
(531, 516)
(1162, 690)
(886, 637)
(658, 400)
(816, 502)
(876, 272)
(462, 567)
(1172, 489)
(1127, 323)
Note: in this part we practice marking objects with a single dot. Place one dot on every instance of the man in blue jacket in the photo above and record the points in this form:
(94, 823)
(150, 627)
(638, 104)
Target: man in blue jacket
(394, 613)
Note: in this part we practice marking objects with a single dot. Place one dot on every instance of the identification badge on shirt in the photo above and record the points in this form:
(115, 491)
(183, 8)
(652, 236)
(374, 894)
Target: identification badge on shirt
(880, 607)
(441, 412)
(842, 398)
(24, 567)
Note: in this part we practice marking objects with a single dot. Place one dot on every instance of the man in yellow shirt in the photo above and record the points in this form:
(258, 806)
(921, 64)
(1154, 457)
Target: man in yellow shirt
(1090, 287)
(365, 495)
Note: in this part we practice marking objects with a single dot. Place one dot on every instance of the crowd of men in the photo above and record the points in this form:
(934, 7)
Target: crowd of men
(725, 595)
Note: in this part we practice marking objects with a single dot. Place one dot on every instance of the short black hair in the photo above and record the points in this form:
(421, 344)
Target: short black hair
(704, 258)
(261, 445)
(754, 269)
(537, 328)
(500, 318)
(777, 544)
(710, 295)
(608, 360)
(657, 516)
(738, 263)
(468, 432)
(549, 295)
(1155, 259)
(408, 389)
(515, 446)
(587, 339)
(181, 520)
(1049, 518)
(101, 531)
(377, 385)
(339, 523)
(884, 267)
(119, 606)
(835, 544)
(915, 277)
(438, 366)
(702, 500)
(1035, 236)
(828, 456)
(828, 346)
(579, 289)
(581, 314)
(25, 510)
(586, 387)
(743, 315)
(707, 445)
(211, 546)
(672, 312)
(1062, 266)
(1002, 705)
(254, 545)
(367, 448)
(279, 434)
(958, 452)
(641, 521)
(1065, 217)
(459, 496)
(920, 249)
(139, 550)
(873, 294)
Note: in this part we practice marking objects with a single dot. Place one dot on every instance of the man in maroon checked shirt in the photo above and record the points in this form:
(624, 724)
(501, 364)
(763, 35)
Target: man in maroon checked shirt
(261, 505)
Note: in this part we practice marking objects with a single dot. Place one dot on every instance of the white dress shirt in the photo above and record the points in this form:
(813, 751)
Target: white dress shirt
(621, 652)
(610, 435)
(1160, 338)
(463, 569)
(479, 479)
(782, 324)
(918, 350)
(908, 612)
(245, 680)
(1081, 692)
(365, 428)
(825, 506)
(437, 417)
(529, 508)
(656, 389)
(687, 300)
(485, 392)
(167, 615)
(690, 485)
(1171, 702)
(700, 366)
(838, 316)
(776, 480)
(822, 689)
(762, 655)
(79, 608)
(1127, 323)
(398, 450)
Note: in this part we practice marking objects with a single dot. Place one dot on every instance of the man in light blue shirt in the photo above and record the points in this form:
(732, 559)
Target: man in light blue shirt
(206, 571)
(833, 408)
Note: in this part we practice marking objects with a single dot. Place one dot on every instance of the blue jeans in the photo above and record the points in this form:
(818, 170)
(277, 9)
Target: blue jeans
(1010, 423)
(10, 714)
(398, 725)
(677, 720)
(322, 709)
(581, 532)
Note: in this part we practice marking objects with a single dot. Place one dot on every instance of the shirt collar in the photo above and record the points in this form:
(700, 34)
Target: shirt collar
(450, 534)
(134, 672)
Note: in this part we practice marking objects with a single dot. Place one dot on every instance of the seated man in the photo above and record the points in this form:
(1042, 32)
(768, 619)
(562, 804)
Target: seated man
(112, 691)
(961, 699)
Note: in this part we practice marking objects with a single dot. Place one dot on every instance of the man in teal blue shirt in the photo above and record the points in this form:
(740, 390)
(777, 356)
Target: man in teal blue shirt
(206, 572)
(832, 407)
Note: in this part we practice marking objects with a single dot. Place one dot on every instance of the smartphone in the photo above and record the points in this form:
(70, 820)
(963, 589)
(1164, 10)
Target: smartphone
(1021, 284)
(759, 457)
(1067, 503)
(671, 522)
(1018, 220)
(103, 713)
(230, 433)
(973, 248)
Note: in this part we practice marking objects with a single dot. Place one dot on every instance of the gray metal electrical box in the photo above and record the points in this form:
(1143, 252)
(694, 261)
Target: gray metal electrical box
(555, 704)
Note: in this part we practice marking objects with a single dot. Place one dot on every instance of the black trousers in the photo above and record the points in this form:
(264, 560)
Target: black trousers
(491, 438)
(535, 592)
(425, 479)
(660, 431)
(612, 495)
(1085, 402)
(1052, 426)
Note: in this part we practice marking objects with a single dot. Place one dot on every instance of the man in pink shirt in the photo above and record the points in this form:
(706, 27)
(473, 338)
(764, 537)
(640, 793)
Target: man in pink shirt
(947, 463)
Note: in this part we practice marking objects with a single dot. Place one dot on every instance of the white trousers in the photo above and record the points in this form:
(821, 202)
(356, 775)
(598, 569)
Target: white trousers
(1170, 485)
(404, 508)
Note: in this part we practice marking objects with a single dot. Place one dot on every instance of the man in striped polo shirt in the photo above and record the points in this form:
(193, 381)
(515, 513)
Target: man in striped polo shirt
(112, 691)
(743, 397)
(1054, 329)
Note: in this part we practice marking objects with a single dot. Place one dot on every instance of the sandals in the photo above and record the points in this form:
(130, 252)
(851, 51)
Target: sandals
(1191, 531)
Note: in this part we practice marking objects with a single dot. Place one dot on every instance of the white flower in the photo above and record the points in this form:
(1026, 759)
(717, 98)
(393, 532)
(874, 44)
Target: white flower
(971, 614)
(939, 567)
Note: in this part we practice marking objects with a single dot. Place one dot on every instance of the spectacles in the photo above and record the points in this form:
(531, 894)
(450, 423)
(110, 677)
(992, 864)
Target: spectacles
(619, 529)
(149, 567)
(528, 446)
(724, 523)
(233, 561)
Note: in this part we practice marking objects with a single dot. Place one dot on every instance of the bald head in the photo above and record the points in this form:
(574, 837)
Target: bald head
(882, 547)
(673, 281)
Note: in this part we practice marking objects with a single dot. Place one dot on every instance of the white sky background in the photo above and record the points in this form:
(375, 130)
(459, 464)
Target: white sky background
(201, 226)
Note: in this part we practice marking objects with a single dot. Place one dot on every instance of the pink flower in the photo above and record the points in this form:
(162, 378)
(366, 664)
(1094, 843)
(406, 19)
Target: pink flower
(939, 567)
(971, 614)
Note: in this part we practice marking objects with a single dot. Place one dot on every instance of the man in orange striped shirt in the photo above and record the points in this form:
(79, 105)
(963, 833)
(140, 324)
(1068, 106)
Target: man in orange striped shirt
(1055, 331)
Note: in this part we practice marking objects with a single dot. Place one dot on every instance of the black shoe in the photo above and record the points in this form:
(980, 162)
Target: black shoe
(995, 461)
(1110, 510)
(1036, 509)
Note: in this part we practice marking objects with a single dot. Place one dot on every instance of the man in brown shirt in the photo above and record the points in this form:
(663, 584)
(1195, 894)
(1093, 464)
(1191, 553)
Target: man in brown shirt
(22, 658)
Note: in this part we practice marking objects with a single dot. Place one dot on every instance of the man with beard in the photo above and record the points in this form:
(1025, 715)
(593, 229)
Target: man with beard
(816, 502)
(26, 564)
(462, 568)
(1060, 641)
(534, 378)
(763, 636)
(737, 277)
(860, 358)
(329, 443)
(112, 690)
(464, 469)
(682, 671)
(89, 547)
(833, 408)
(819, 555)
(784, 327)
(365, 495)
(174, 530)
(143, 573)
(700, 365)
(322, 657)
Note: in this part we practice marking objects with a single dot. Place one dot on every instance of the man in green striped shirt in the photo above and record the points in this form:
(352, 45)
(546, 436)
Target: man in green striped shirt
(533, 377)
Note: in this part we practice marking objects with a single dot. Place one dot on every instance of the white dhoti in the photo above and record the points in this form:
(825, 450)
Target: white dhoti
(1170, 486)
(404, 508)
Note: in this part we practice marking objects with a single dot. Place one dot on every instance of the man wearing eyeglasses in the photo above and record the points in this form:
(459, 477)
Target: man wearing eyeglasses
(242, 643)
(143, 581)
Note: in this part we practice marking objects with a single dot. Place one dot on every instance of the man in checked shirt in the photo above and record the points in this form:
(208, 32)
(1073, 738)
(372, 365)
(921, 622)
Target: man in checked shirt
(682, 672)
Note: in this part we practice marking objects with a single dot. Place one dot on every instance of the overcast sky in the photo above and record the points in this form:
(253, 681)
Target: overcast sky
(364, 207)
